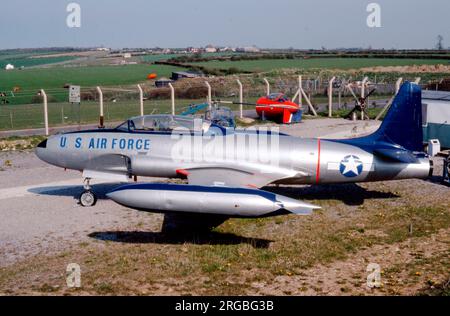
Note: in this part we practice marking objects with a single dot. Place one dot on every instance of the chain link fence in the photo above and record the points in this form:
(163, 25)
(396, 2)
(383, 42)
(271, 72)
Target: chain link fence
(24, 109)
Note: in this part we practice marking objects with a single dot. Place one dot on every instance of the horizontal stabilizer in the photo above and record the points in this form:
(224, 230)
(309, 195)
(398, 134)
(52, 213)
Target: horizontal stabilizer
(396, 154)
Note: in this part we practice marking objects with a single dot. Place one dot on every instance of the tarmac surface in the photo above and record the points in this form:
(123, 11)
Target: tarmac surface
(38, 202)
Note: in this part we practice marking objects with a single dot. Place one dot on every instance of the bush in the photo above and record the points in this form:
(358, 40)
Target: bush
(37, 99)
(193, 92)
(160, 93)
(88, 96)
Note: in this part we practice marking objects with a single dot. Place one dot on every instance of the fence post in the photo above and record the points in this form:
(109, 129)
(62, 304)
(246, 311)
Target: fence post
(209, 95)
(363, 93)
(330, 97)
(100, 95)
(397, 84)
(11, 119)
(44, 96)
(308, 102)
(300, 87)
(241, 98)
(172, 98)
(267, 86)
(141, 99)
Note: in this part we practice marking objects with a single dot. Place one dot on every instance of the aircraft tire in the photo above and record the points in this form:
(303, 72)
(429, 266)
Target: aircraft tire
(88, 199)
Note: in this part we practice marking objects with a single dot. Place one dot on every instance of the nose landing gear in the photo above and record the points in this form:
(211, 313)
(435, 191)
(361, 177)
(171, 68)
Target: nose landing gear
(88, 197)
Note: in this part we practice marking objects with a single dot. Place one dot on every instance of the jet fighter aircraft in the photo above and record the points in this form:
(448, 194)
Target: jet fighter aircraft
(225, 168)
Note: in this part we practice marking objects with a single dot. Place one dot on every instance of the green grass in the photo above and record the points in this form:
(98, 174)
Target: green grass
(29, 62)
(330, 63)
(57, 77)
(158, 57)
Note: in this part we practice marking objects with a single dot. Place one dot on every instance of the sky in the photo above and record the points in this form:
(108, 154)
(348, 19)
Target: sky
(302, 24)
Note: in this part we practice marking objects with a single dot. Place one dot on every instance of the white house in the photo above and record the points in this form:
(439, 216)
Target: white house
(248, 49)
(9, 67)
(210, 49)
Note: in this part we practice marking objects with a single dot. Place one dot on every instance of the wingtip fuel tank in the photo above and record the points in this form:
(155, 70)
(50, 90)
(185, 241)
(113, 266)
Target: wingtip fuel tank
(233, 202)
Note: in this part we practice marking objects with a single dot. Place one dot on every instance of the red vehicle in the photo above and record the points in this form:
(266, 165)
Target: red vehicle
(277, 107)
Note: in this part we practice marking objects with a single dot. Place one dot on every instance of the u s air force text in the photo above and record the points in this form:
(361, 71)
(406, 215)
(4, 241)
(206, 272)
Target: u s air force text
(225, 305)
(108, 143)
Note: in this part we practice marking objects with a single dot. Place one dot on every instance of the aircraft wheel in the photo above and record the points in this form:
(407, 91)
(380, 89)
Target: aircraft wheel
(88, 198)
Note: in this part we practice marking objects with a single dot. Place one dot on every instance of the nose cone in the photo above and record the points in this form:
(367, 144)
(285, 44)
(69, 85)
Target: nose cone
(43, 152)
(123, 196)
(42, 144)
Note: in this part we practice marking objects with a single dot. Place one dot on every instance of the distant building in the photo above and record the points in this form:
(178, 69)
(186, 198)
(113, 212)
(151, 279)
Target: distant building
(127, 55)
(102, 49)
(176, 75)
(227, 49)
(163, 82)
(9, 67)
(210, 49)
(193, 50)
(248, 49)
(436, 116)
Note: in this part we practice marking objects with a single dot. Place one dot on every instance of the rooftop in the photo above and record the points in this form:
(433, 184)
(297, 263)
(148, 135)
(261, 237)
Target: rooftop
(436, 95)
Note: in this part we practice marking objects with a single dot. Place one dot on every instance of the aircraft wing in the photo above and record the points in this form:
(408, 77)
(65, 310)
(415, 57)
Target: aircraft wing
(238, 176)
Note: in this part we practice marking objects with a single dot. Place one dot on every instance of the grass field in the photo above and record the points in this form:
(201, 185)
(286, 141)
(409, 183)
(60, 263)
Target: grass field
(29, 62)
(330, 63)
(19, 59)
(48, 78)
(158, 57)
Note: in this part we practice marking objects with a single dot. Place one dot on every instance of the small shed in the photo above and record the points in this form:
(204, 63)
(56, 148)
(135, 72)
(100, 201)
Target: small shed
(176, 75)
(436, 116)
(163, 82)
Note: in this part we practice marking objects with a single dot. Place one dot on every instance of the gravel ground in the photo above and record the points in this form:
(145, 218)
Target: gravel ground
(39, 211)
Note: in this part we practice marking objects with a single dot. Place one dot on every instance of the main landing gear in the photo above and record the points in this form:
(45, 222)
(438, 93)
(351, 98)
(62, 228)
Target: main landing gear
(88, 197)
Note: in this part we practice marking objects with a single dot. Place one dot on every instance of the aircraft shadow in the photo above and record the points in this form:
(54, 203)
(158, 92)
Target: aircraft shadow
(184, 228)
(348, 193)
(75, 190)
(179, 237)
(437, 179)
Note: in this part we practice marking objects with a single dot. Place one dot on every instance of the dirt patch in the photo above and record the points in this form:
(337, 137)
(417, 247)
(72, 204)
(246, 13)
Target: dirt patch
(404, 271)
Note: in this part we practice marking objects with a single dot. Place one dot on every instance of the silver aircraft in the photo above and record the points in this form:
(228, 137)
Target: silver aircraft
(225, 168)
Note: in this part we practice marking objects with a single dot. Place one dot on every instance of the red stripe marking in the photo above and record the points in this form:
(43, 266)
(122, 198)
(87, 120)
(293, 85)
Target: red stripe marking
(182, 172)
(318, 161)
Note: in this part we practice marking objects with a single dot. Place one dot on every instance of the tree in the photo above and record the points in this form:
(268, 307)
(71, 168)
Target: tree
(439, 44)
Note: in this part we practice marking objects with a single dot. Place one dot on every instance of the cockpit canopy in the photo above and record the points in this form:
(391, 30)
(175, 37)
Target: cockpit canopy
(277, 97)
(164, 123)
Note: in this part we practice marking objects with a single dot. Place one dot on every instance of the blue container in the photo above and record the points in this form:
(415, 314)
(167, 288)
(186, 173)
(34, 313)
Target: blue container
(297, 116)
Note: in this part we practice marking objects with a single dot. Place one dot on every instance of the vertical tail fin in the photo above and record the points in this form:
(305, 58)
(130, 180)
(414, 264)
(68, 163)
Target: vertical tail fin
(402, 124)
